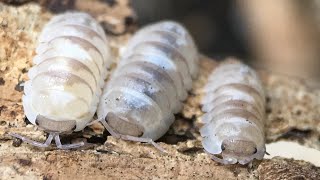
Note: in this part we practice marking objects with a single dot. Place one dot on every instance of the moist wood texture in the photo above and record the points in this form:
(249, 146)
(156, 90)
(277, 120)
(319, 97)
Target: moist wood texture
(292, 111)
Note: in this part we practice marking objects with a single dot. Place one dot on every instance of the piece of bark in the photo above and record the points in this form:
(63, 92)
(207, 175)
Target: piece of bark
(289, 99)
(15, 2)
(116, 16)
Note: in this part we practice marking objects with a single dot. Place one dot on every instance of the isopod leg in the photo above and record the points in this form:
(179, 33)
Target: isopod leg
(66, 146)
(109, 129)
(146, 140)
(34, 143)
(131, 138)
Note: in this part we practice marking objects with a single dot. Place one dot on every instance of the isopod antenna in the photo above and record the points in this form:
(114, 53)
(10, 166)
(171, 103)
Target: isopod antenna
(131, 138)
(48, 141)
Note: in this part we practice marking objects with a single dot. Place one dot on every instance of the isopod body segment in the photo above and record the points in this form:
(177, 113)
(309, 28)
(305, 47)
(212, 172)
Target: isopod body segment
(234, 106)
(67, 77)
(151, 81)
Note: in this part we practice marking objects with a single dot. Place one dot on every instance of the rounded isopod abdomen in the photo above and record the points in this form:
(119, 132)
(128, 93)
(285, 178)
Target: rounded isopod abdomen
(66, 81)
(234, 103)
(150, 83)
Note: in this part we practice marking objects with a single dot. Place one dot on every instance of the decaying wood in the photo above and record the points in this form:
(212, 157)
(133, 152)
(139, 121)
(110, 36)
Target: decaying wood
(293, 114)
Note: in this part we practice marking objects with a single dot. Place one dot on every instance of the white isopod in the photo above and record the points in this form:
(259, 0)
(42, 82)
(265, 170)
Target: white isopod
(150, 83)
(65, 84)
(235, 112)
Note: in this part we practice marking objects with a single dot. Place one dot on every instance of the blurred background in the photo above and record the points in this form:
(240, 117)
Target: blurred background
(210, 22)
(280, 36)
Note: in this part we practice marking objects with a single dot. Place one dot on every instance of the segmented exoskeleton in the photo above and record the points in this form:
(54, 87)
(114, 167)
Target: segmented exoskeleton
(150, 83)
(234, 103)
(66, 81)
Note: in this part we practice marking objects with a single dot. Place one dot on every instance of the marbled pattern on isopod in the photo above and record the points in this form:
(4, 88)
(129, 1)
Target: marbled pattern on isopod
(234, 103)
(151, 81)
(70, 66)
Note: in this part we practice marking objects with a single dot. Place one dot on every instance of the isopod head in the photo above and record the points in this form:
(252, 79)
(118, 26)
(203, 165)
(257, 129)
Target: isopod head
(124, 125)
(238, 150)
(50, 125)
